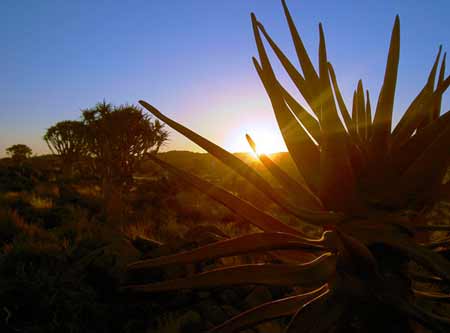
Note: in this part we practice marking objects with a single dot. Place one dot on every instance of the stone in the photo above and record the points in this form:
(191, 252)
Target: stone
(190, 322)
(204, 294)
(229, 296)
(212, 312)
(145, 245)
(269, 327)
(258, 296)
(230, 311)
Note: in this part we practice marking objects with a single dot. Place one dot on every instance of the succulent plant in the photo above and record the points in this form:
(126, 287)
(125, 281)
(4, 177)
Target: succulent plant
(365, 185)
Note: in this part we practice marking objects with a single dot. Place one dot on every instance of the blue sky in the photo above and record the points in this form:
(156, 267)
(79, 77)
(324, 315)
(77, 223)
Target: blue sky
(192, 59)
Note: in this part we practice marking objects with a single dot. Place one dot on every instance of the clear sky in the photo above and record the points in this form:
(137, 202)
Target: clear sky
(192, 59)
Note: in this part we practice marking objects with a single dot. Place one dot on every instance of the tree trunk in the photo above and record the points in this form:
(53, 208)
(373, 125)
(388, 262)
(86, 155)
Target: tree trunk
(67, 170)
(113, 203)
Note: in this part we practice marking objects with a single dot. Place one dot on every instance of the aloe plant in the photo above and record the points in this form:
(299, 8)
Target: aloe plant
(365, 185)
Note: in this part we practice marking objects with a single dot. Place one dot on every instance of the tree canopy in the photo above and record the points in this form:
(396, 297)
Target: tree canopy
(120, 136)
(67, 139)
(19, 152)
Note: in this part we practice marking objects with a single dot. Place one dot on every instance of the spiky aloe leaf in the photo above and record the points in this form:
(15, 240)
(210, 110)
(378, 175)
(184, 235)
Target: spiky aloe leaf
(241, 207)
(337, 179)
(434, 322)
(342, 107)
(440, 243)
(309, 122)
(318, 315)
(430, 167)
(361, 111)
(303, 150)
(432, 227)
(437, 109)
(305, 61)
(311, 125)
(300, 192)
(404, 156)
(245, 171)
(331, 124)
(416, 112)
(212, 229)
(430, 114)
(354, 257)
(311, 275)
(295, 76)
(259, 242)
(368, 117)
(432, 296)
(383, 114)
(283, 307)
(420, 277)
(432, 261)
(355, 114)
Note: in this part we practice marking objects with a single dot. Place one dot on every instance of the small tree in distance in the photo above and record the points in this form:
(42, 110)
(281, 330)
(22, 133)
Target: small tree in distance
(68, 139)
(118, 138)
(19, 152)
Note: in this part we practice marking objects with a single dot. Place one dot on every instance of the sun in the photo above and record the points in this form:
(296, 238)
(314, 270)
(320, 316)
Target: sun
(264, 142)
(267, 139)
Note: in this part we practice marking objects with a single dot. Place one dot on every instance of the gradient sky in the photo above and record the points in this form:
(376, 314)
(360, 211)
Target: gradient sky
(192, 59)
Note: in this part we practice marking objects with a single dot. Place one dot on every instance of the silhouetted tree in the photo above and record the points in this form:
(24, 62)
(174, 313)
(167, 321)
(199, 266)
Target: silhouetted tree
(68, 139)
(118, 139)
(19, 152)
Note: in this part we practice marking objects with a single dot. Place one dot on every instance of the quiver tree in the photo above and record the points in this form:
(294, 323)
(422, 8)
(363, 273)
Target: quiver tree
(68, 139)
(118, 139)
(19, 152)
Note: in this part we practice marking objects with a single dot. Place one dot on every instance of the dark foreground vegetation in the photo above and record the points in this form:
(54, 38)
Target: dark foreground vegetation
(62, 263)
(347, 232)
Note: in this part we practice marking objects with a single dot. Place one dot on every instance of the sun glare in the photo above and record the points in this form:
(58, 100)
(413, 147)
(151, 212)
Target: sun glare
(267, 141)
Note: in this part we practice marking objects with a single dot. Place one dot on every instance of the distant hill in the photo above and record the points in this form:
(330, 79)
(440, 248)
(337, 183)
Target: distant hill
(207, 166)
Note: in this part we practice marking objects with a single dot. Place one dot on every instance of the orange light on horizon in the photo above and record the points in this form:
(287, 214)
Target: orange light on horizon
(267, 141)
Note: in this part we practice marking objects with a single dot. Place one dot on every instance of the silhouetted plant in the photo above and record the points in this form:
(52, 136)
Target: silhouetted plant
(365, 185)
(68, 139)
(19, 152)
(118, 139)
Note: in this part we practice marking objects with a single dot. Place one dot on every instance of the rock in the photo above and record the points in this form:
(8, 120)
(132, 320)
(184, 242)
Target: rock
(269, 327)
(229, 296)
(191, 321)
(211, 312)
(174, 245)
(258, 296)
(173, 301)
(163, 250)
(203, 294)
(174, 271)
(106, 266)
(145, 245)
(279, 291)
(230, 311)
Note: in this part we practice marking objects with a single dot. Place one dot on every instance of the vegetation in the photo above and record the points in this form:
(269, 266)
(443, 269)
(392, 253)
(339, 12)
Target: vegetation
(117, 139)
(366, 186)
(19, 152)
(68, 139)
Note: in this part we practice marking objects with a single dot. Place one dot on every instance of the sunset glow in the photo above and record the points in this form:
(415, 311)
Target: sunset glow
(267, 140)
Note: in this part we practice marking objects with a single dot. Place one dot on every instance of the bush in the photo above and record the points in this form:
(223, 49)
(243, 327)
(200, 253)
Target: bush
(8, 226)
